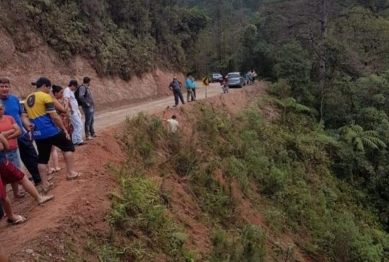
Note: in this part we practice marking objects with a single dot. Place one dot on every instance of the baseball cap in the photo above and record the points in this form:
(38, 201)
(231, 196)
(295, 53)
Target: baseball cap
(42, 81)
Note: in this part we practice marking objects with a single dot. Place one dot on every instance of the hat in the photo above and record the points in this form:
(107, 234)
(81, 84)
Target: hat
(42, 81)
(174, 77)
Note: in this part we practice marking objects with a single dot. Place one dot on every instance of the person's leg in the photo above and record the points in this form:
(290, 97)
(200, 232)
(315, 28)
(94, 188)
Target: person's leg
(77, 125)
(29, 157)
(13, 157)
(16, 191)
(88, 120)
(30, 188)
(194, 93)
(176, 98)
(8, 208)
(181, 97)
(193, 97)
(44, 148)
(54, 158)
(67, 148)
(92, 128)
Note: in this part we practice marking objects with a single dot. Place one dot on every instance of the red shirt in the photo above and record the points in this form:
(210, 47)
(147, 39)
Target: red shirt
(5, 125)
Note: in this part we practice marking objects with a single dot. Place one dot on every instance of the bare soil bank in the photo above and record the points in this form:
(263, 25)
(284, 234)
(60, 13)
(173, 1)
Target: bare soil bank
(22, 68)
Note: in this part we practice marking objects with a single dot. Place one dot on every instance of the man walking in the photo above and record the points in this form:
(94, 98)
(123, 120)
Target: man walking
(175, 86)
(48, 130)
(74, 113)
(87, 104)
(27, 150)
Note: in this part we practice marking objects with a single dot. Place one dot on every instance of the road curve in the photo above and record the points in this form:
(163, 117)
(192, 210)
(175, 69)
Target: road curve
(112, 117)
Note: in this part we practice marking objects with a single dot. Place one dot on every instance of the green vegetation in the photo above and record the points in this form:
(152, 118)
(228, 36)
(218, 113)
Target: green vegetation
(122, 37)
(288, 171)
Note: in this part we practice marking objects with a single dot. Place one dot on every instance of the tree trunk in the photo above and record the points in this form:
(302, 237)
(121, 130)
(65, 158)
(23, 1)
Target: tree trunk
(323, 7)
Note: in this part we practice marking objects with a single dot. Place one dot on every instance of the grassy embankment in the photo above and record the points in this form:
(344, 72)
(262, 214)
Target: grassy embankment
(282, 169)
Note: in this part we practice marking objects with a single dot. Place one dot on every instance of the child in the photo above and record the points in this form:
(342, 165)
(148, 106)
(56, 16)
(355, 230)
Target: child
(11, 174)
(224, 85)
(173, 124)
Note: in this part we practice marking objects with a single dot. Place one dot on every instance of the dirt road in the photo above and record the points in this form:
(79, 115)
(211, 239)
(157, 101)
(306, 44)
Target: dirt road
(115, 116)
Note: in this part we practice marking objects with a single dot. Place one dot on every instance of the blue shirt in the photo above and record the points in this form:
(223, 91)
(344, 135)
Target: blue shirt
(14, 109)
(188, 83)
(176, 86)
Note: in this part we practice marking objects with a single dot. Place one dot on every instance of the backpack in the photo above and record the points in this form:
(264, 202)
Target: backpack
(77, 95)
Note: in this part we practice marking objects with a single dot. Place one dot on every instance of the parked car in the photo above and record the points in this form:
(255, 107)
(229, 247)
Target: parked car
(216, 77)
(235, 79)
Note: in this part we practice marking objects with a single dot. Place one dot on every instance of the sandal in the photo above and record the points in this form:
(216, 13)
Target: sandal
(51, 171)
(74, 176)
(48, 188)
(20, 220)
(46, 199)
(57, 169)
(20, 195)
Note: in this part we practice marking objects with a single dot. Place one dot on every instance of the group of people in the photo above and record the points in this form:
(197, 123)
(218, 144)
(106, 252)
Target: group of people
(175, 86)
(250, 77)
(51, 118)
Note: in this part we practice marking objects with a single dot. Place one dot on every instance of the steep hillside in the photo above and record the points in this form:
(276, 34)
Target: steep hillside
(24, 67)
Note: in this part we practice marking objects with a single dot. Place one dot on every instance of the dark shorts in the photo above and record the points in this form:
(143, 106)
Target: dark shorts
(44, 146)
(10, 173)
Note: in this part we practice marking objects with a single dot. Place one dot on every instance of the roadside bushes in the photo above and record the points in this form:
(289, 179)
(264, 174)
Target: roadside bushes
(283, 170)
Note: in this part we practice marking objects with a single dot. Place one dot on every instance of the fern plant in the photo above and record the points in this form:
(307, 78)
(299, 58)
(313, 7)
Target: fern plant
(290, 104)
(359, 138)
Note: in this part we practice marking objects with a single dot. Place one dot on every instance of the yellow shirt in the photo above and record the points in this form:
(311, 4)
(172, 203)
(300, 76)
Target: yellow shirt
(38, 105)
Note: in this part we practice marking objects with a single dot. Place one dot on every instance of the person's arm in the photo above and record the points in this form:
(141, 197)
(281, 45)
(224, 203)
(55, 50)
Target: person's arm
(58, 106)
(50, 110)
(66, 95)
(170, 87)
(57, 121)
(66, 102)
(16, 132)
(4, 142)
(26, 122)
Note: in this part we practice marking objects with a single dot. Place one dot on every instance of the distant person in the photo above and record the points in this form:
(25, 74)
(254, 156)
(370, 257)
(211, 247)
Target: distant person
(48, 130)
(27, 150)
(175, 86)
(173, 124)
(87, 104)
(193, 86)
(189, 89)
(253, 76)
(248, 78)
(224, 84)
(74, 113)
